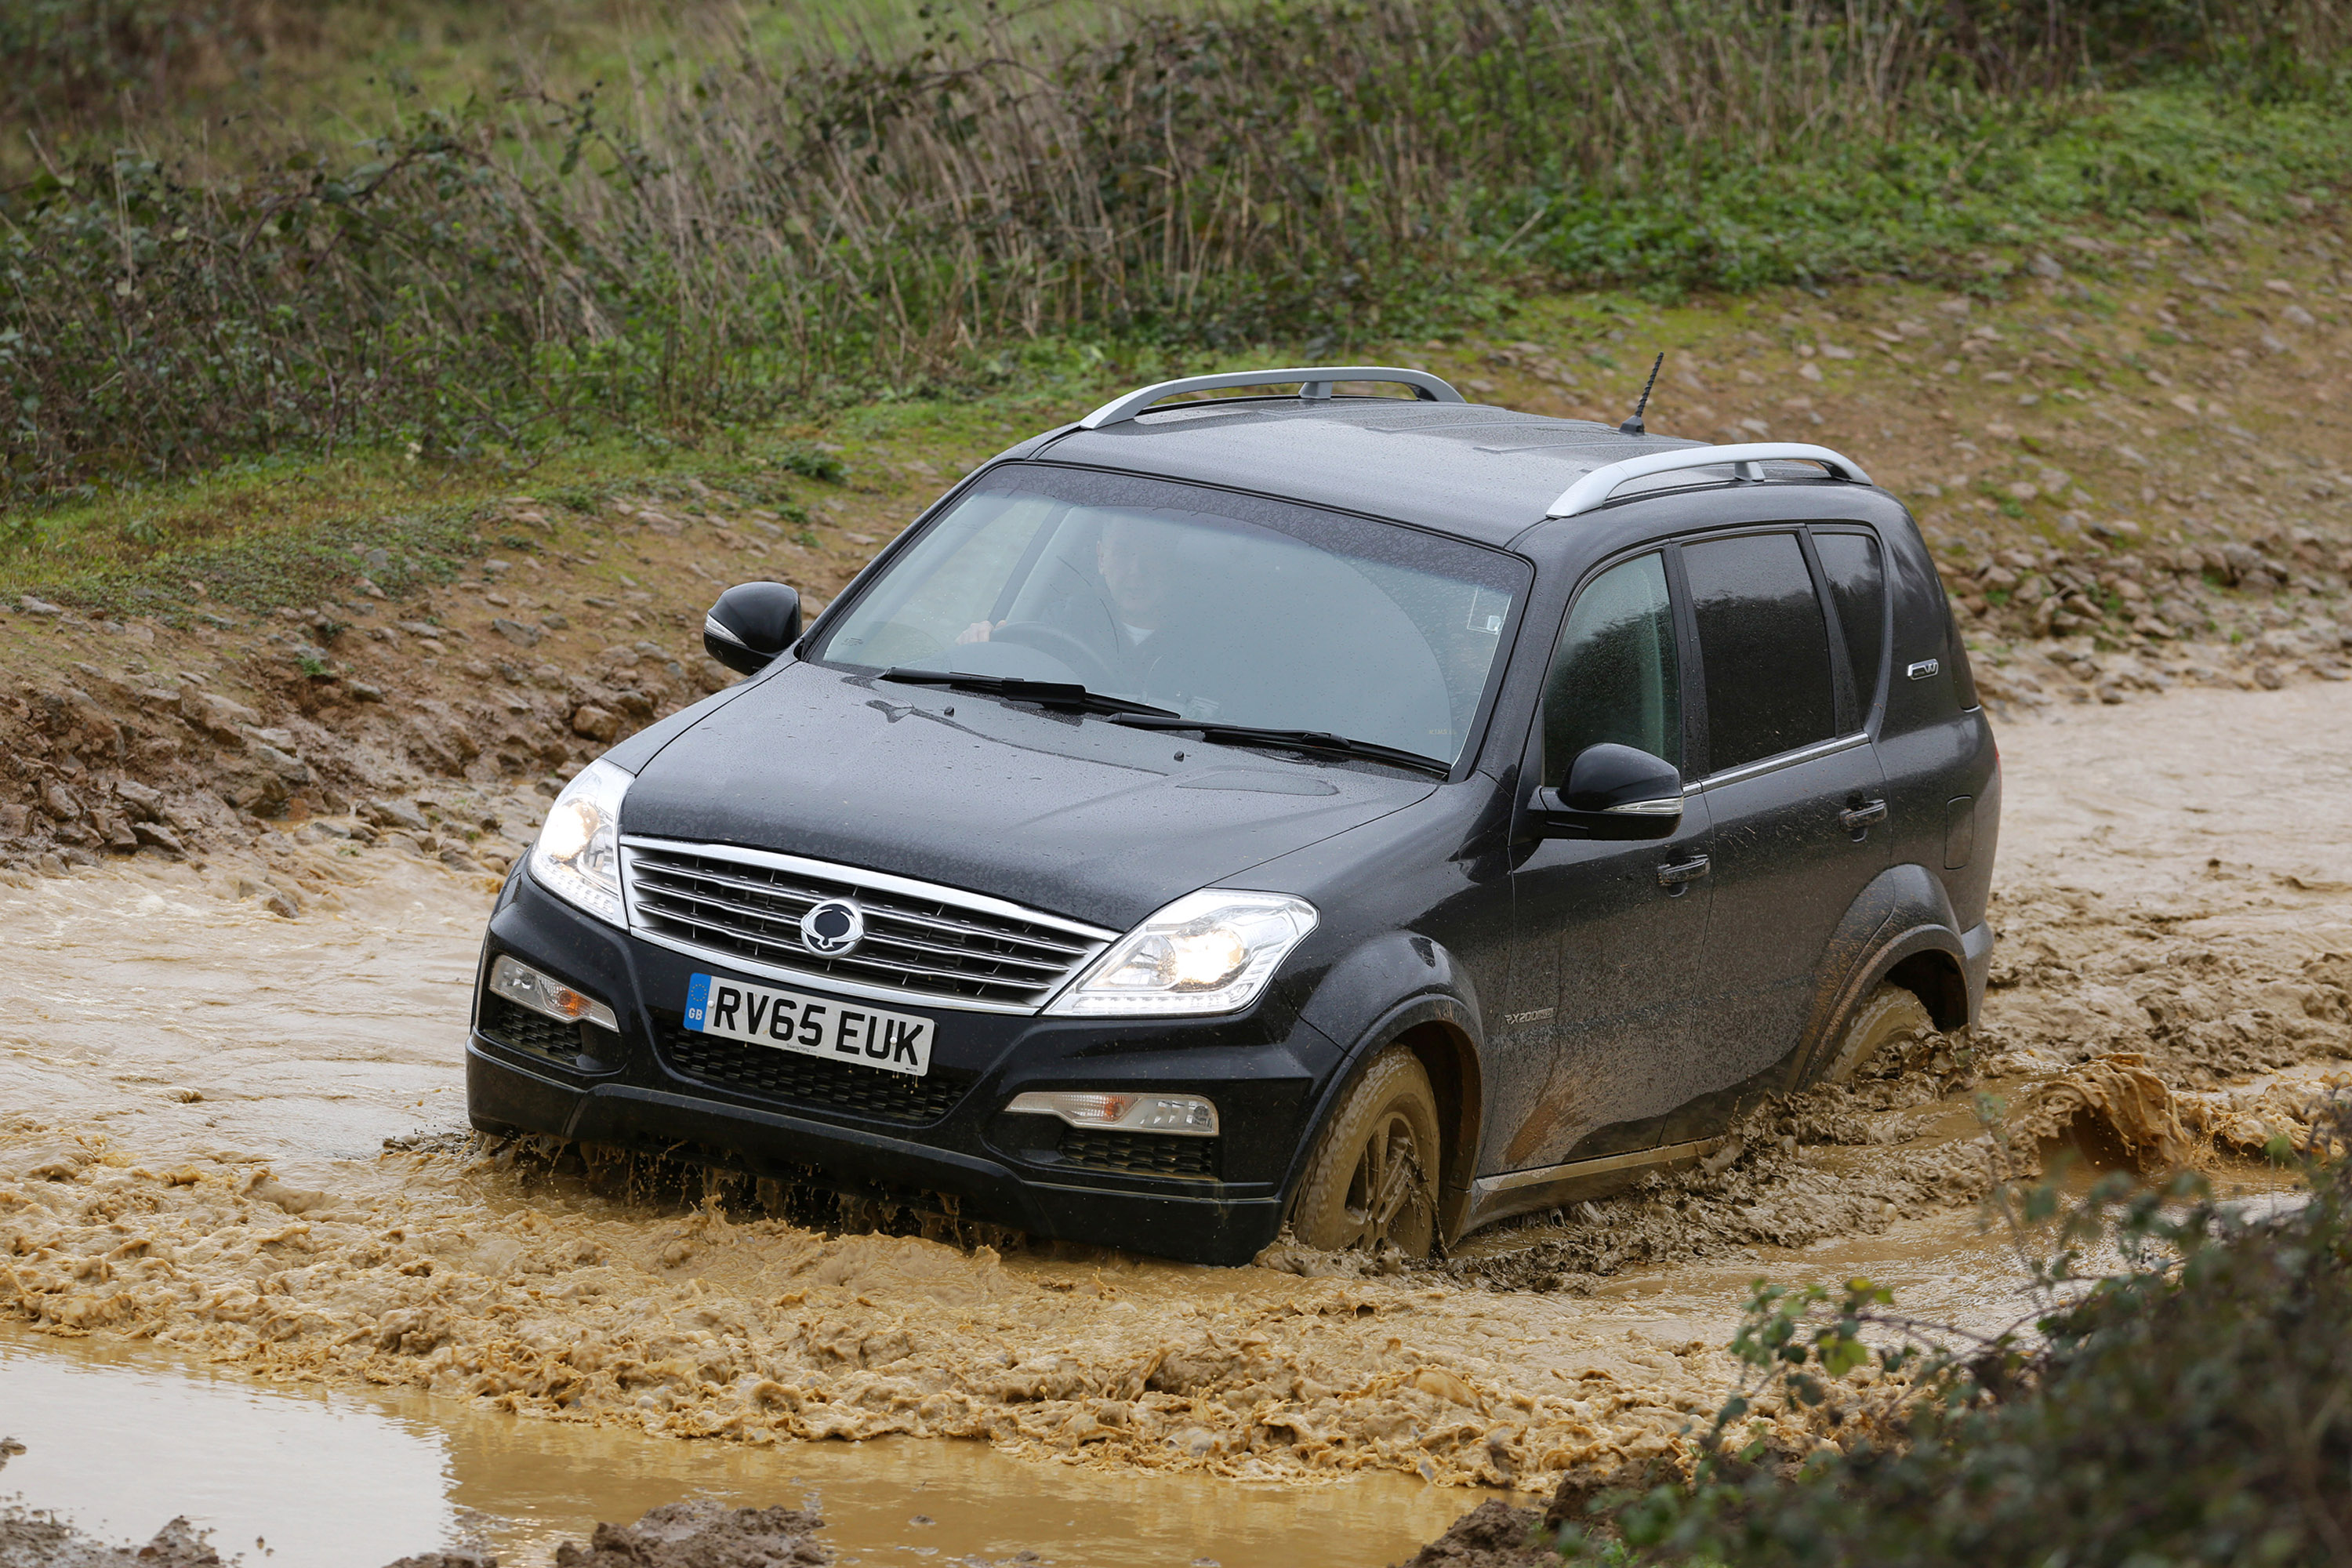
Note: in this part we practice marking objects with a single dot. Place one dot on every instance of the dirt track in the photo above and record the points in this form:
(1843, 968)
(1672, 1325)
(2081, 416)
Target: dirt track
(202, 1091)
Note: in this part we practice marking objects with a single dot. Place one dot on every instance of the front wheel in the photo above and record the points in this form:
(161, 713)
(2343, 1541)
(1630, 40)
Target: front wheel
(1371, 1183)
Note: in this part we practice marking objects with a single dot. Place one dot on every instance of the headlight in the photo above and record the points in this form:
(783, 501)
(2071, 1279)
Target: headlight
(1210, 951)
(578, 856)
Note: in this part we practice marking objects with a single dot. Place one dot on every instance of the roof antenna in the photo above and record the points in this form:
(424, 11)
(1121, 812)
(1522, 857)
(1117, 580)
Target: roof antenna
(1633, 426)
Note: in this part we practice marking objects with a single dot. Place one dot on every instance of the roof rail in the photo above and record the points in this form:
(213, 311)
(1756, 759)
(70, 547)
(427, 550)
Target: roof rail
(1315, 385)
(1746, 460)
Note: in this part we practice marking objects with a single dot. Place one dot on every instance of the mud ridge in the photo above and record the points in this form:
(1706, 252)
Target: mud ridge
(691, 1534)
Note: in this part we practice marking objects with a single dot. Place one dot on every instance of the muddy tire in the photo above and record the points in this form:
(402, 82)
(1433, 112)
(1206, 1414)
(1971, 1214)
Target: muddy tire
(1890, 1016)
(1371, 1182)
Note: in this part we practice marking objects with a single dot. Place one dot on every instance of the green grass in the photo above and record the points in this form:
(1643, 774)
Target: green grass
(692, 255)
(233, 76)
(292, 530)
(1969, 203)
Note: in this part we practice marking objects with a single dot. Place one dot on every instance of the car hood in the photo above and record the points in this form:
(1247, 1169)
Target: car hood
(1072, 815)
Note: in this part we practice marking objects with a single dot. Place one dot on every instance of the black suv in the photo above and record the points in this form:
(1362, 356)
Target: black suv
(1378, 815)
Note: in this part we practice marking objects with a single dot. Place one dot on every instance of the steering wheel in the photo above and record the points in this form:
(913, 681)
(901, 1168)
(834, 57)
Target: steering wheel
(1056, 644)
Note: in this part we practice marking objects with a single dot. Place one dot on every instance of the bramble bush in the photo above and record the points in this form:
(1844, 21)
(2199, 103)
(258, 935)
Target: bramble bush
(2195, 1406)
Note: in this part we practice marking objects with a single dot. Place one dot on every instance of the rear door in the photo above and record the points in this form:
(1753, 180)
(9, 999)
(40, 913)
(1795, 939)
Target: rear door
(1609, 936)
(1790, 778)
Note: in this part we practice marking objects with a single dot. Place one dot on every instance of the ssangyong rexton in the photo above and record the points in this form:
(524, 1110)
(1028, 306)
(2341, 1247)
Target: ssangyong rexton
(1371, 815)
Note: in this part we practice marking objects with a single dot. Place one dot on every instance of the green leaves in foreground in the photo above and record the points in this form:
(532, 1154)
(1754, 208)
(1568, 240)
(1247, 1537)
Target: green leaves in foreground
(2194, 1405)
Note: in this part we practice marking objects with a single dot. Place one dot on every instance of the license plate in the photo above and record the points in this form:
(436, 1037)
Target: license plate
(812, 1025)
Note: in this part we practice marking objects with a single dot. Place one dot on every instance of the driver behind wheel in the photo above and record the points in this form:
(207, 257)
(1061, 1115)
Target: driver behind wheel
(1135, 561)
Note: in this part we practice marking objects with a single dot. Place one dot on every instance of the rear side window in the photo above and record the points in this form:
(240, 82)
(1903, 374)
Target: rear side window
(1858, 590)
(1614, 675)
(1763, 647)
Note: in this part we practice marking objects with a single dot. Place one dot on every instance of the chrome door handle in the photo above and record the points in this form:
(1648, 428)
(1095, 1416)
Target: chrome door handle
(1679, 876)
(1858, 818)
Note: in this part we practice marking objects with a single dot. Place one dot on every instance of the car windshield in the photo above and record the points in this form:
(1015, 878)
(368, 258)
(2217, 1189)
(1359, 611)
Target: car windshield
(1221, 608)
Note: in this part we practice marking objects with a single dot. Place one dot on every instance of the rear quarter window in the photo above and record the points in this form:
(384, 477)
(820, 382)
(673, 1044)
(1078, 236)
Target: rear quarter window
(1763, 645)
(1857, 582)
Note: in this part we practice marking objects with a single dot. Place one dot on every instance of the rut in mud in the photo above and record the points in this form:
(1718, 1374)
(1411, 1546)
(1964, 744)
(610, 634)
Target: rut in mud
(197, 1163)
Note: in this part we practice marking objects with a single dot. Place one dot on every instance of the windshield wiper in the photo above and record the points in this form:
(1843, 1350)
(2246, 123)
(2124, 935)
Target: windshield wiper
(1301, 739)
(1066, 694)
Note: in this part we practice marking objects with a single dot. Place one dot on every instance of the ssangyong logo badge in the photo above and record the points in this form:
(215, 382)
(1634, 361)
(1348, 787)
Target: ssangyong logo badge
(832, 927)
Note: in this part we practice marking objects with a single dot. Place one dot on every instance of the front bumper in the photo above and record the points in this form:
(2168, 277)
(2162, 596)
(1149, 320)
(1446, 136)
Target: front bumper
(655, 1086)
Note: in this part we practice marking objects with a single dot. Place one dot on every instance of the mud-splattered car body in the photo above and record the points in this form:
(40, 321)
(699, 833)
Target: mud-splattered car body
(1591, 995)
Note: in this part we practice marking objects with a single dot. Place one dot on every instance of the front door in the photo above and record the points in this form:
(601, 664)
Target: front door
(1793, 789)
(1609, 936)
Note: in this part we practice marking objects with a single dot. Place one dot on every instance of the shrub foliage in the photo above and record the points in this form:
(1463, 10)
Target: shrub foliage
(761, 229)
(2195, 1407)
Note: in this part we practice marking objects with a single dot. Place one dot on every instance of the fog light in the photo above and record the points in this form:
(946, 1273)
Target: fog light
(521, 984)
(1186, 1115)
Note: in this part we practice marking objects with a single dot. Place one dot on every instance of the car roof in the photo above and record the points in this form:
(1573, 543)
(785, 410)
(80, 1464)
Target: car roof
(1483, 473)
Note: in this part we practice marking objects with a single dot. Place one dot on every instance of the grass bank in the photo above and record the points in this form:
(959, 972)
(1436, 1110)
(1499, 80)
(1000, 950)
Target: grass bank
(770, 231)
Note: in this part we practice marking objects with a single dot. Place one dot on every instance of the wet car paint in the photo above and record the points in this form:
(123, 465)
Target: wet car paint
(1565, 1009)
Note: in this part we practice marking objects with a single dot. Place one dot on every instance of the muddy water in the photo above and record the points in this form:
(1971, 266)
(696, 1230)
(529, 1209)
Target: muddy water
(196, 1095)
(118, 1438)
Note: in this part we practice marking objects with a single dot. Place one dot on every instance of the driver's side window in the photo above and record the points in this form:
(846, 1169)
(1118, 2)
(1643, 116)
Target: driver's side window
(1614, 675)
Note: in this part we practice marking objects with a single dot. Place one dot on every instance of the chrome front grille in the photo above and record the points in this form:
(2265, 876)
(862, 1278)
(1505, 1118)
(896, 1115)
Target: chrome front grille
(923, 943)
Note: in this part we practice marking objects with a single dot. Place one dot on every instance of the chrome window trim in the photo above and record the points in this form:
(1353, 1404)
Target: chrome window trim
(1775, 762)
(1095, 939)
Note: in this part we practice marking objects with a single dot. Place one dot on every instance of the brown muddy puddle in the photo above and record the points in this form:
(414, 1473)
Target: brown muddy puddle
(293, 1333)
(119, 1437)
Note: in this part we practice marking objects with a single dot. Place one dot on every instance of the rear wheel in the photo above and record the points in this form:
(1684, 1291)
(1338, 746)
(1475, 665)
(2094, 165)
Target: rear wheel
(1371, 1183)
(1892, 1017)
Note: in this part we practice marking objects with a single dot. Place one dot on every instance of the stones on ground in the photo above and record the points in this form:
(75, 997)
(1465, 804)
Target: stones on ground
(286, 766)
(158, 836)
(595, 724)
(144, 803)
(38, 1541)
(517, 632)
(224, 719)
(700, 1534)
(395, 814)
(703, 1534)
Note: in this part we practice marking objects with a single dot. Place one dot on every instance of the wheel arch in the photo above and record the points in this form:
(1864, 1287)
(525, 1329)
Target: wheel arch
(1442, 1030)
(1900, 929)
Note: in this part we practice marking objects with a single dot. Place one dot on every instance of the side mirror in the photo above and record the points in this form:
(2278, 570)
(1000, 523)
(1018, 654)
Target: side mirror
(750, 624)
(1614, 792)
